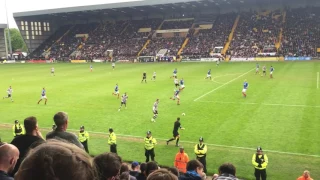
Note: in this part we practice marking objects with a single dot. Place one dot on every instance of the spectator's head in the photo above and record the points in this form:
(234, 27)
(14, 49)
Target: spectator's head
(227, 168)
(9, 155)
(31, 125)
(135, 166)
(56, 160)
(181, 150)
(151, 166)
(124, 168)
(61, 121)
(143, 168)
(195, 165)
(162, 174)
(174, 171)
(124, 176)
(107, 166)
(306, 174)
(259, 150)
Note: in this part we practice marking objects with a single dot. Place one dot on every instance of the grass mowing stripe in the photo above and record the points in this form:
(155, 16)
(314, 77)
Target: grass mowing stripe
(317, 80)
(264, 104)
(223, 85)
(7, 125)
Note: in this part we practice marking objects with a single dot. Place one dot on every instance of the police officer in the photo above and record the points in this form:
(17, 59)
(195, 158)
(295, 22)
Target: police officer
(84, 138)
(112, 141)
(260, 162)
(149, 143)
(17, 129)
(201, 152)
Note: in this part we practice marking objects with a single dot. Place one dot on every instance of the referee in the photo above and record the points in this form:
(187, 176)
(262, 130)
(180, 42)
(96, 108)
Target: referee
(112, 141)
(201, 152)
(260, 162)
(176, 136)
(149, 143)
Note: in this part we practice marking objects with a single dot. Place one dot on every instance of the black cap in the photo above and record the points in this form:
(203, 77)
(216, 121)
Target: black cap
(259, 148)
(148, 132)
(201, 138)
(81, 127)
(110, 129)
(16, 121)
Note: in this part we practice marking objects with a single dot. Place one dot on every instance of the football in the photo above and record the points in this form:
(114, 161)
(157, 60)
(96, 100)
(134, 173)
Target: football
(183, 114)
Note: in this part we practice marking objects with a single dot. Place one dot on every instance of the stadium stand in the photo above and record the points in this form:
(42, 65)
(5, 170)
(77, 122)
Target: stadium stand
(301, 32)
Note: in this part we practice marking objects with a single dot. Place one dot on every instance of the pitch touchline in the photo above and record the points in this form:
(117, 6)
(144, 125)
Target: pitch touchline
(190, 142)
(317, 80)
(222, 85)
(264, 104)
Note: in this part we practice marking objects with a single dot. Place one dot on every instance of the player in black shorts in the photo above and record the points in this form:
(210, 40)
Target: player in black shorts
(175, 132)
(144, 77)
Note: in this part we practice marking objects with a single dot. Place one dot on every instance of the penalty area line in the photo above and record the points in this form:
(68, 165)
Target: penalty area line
(223, 85)
(7, 125)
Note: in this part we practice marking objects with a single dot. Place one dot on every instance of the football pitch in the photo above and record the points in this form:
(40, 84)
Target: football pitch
(282, 115)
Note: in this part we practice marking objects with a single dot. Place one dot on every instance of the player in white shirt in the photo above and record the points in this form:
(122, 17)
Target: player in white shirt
(155, 110)
(113, 65)
(9, 91)
(176, 82)
(154, 76)
(52, 71)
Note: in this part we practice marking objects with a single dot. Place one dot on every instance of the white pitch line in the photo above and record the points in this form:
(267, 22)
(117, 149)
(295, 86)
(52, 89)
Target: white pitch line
(264, 104)
(223, 85)
(317, 80)
(190, 142)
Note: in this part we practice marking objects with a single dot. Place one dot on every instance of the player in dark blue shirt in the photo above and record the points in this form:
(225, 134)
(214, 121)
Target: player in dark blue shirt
(208, 74)
(43, 96)
(91, 68)
(271, 72)
(176, 96)
(116, 91)
(245, 87)
(257, 68)
(181, 84)
(175, 71)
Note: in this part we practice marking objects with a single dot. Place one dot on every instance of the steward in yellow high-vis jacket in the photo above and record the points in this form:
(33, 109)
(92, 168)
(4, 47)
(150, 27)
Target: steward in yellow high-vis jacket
(84, 138)
(149, 143)
(201, 152)
(17, 129)
(112, 141)
(260, 162)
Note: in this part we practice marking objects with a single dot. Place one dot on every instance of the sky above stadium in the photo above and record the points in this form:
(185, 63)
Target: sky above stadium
(32, 5)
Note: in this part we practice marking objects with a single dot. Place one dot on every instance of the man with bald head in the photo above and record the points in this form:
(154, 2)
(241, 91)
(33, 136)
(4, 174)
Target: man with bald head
(9, 154)
(61, 120)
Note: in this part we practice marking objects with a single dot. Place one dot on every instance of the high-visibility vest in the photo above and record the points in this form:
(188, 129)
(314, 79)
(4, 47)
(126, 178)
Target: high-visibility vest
(149, 143)
(83, 136)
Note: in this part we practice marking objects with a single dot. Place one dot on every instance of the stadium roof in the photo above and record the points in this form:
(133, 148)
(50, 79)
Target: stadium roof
(139, 6)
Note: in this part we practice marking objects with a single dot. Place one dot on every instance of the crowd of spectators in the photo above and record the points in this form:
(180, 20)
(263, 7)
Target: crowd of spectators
(69, 43)
(172, 45)
(50, 41)
(202, 43)
(301, 32)
(179, 24)
(256, 32)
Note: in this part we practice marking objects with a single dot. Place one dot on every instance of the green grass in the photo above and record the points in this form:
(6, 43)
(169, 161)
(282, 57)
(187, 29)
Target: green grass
(280, 114)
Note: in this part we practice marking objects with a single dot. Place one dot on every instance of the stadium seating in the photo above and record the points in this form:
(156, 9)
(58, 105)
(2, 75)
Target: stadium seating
(255, 32)
(301, 32)
(180, 24)
(202, 42)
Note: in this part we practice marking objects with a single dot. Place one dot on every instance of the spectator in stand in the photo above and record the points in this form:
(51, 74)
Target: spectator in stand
(181, 160)
(142, 174)
(174, 171)
(9, 155)
(194, 171)
(56, 160)
(151, 166)
(227, 171)
(162, 174)
(305, 176)
(135, 169)
(107, 166)
(61, 120)
(32, 137)
(124, 171)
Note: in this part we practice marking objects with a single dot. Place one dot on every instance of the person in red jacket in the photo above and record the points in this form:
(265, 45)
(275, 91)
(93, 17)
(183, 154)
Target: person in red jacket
(305, 176)
(181, 161)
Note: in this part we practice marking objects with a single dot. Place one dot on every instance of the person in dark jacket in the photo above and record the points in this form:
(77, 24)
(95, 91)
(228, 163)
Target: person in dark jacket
(194, 171)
